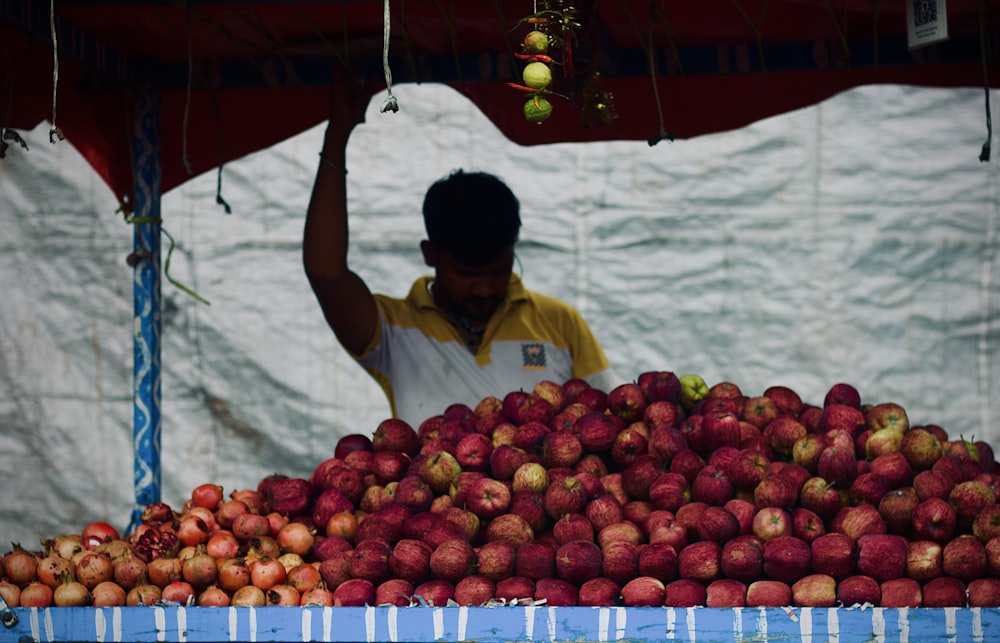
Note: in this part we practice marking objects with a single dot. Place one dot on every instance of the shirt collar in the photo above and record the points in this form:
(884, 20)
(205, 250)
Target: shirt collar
(420, 295)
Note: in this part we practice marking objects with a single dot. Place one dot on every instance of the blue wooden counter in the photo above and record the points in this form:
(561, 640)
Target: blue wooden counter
(499, 624)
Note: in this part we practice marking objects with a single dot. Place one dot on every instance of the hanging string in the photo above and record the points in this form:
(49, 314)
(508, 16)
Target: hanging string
(984, 154)
(55, 134)
(663, 133)
(390, 104)
(187, 97)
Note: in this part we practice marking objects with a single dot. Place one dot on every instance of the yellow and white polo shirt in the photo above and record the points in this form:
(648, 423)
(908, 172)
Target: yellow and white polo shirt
(423, 366)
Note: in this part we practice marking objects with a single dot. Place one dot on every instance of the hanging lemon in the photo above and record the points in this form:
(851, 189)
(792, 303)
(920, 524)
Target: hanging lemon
(537, 75)
(537, 109)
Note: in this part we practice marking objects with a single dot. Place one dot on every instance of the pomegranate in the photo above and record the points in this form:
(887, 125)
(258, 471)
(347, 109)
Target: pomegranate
(213, 597)
(251, 498)
(10, 593)
(276, 522)
(108, 594)
(233, 574)
(228, 511)
(249, 526)
(222, 544)
(65, 545)
(52, 569)
(20, 566)
(179, 591)
(192, 530)
(163, 571)
(318, 595)
(129, 571)
(248, 596)
(115, 549)
(207, 495)
(296, 538)
(262, 547)
(303, 577)
(94, 568)
(282, 595)
(145, 594)
(265, 573)
(36, 594)
(201, 570)
(97, 533)
(71, 593)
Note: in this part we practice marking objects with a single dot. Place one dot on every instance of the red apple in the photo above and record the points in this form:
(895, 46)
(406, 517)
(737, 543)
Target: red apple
(787, 558)
(564, 497)
(435, 592)
(924, 560)
(512, 528)
(806, 524)
(921, 448)
(514, 589)
(842, 393)
(770, 523)
(742, 558)
(882, 556)
(869, 488)
(561, 449)
(944, 592)
(627, 401)
(712, 486)
(896, 508)
(556, 592)
(769, 593)
(932, 484)
(838, 465)
(776, 490)
(669, 491)
(968, 498)
(901, 592)
(522, 407)
(815, 590)
(726, 592)
(684, 592)
(394, 434)
(350, 443)
(496, 559)
(572, 527)
(700, 561)
(788, 401)
(834, 554)
(487, 498)
(505, 460)
(718, 525)
(598, 592)
(439, 471)
(964, 558)
(744, 511)
(858, 521)
(394, 591)
(807, 449)
(660, 386)
(619, 561)
(720, 429)
(643, 591)
(578, 561)
(895, 468)
(783, 432)
(631, 442)
(414, 494)
(453, 560)
(986, 524)
(859, 590)
(355, 592)
(535, 560)
(623, 530)
(934, 519)
(821, 497)
(984, 592)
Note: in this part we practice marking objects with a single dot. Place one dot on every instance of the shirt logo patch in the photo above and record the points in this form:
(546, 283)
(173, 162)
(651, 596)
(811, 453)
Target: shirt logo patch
(534, 356)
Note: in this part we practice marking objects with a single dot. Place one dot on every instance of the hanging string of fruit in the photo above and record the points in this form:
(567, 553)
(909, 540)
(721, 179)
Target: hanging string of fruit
(552, 25)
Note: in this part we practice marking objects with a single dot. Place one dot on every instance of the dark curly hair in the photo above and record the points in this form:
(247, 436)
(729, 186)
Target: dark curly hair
(472, 216)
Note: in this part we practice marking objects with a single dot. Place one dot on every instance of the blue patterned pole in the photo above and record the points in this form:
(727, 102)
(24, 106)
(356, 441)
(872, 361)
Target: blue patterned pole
(146, 303)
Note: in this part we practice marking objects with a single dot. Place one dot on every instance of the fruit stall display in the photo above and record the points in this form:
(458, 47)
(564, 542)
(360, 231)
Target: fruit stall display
(664, 508)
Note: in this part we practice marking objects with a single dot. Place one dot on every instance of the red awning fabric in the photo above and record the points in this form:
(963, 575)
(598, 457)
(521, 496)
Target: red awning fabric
(234, 77)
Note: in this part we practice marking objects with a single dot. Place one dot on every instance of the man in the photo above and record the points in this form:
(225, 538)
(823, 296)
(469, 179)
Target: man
(470, 331)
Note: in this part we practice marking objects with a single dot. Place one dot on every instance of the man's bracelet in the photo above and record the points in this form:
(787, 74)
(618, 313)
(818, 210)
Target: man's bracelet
(331, 163)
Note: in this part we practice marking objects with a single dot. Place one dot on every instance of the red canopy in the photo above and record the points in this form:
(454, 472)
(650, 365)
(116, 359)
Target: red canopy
(234, 77)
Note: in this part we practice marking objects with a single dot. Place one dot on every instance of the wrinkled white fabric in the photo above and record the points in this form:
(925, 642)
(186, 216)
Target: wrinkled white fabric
(852, 241)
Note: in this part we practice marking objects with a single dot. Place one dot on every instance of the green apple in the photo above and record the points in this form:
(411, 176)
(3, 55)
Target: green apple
(693, 388)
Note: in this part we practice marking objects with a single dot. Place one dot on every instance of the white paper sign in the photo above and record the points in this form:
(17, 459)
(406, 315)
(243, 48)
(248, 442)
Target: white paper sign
(926, 22)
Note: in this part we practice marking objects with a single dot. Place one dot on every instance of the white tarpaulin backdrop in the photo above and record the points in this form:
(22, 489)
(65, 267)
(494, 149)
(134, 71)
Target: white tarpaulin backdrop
(854, 241)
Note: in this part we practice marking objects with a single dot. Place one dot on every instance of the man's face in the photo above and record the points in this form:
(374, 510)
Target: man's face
(474, 292)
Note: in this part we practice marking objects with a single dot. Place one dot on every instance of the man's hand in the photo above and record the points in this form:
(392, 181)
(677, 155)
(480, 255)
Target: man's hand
(350, 93)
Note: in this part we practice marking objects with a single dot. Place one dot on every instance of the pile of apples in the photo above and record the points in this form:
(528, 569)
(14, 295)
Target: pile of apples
(663, 491)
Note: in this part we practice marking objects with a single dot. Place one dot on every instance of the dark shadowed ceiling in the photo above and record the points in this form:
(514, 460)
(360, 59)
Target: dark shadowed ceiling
(235, 77)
